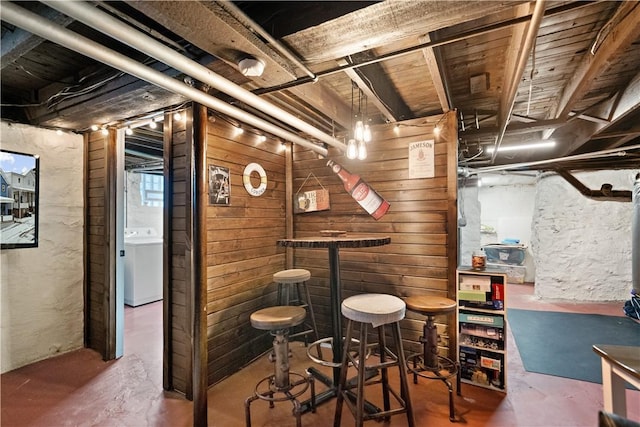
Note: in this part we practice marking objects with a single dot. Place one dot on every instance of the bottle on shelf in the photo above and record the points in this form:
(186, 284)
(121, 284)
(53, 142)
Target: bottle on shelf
(362, 192)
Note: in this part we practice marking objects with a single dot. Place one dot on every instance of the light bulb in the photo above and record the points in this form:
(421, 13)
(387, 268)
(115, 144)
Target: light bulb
(177, 117)
(105, 131)
(128, 131)
(366, 134)
(152, 124)
(352, 149)
(362, 150)
(358, 131)
(262, 138)
(94, 127)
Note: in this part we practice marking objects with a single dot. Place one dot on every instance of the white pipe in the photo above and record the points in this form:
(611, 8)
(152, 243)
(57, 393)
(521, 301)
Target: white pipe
(254, 27)
(114, 28)
(40, 26)
(530, 39)
(621, 151)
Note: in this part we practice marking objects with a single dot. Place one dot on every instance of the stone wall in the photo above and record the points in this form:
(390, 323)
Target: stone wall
(582, 247)
(42, 287)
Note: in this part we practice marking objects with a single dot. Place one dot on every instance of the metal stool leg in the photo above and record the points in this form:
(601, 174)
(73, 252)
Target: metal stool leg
(310, 310)
(404, 385)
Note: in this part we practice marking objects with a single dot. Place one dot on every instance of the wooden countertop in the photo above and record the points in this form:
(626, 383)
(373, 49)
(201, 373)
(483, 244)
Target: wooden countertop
(349, 240)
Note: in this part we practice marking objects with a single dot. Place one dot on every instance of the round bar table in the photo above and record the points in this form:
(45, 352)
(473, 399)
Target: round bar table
(334, 243)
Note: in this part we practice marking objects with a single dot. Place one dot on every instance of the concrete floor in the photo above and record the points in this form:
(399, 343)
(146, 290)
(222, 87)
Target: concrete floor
(79, 389)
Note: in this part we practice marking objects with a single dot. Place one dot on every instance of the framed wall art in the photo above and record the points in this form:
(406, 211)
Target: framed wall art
(219, 186)
(19, 209)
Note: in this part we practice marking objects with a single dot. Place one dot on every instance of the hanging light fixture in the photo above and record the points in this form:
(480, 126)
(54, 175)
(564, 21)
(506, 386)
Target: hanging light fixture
(357, 146)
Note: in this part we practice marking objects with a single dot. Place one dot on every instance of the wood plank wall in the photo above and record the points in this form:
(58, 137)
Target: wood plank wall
(100, 243)
(419, 258)
(178, 183)
(241, 250)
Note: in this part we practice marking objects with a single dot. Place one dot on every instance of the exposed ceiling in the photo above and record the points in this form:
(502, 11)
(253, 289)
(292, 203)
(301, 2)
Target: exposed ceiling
(516, 72)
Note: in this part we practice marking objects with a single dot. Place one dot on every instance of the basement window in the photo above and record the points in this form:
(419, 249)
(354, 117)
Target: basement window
(152, 190)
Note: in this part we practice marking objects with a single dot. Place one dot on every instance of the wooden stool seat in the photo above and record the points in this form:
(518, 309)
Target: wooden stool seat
(426, 304)
(282, 385)
(292, 290)
(429, 364)
(293, 275)
(278, 317)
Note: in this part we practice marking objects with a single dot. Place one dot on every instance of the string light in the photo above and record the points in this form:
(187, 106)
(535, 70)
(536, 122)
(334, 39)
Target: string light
(153, 124)
(262, 138)
(105, 131)
(177, 117)
(94, 127)
(128, 131)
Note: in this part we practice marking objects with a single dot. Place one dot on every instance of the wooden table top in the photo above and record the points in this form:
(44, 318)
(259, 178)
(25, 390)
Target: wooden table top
(349, 240)
(625, 357)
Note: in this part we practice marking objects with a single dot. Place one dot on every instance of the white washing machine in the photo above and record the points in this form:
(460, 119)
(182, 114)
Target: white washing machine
(142, 266)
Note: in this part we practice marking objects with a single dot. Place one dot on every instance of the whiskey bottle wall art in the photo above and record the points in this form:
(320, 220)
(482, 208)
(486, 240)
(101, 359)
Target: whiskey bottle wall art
(362, 192)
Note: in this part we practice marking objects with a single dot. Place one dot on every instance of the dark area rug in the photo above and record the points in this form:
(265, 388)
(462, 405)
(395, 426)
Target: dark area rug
(560, 344)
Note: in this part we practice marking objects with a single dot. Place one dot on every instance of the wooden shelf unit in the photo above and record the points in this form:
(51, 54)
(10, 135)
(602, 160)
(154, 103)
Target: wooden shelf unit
(482, 328)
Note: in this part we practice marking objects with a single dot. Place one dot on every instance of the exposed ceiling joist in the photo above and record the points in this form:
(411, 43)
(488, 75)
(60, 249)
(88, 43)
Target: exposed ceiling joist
(616, 109)
(625, 30)
(20, 41)
(433, 61)
(521, 56)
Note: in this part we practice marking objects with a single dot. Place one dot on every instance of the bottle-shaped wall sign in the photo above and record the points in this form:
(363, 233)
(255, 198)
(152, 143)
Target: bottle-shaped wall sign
(366, 196)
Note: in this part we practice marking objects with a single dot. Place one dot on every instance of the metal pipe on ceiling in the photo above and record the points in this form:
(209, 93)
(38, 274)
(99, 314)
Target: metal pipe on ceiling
(506, 107)
(254, 27)
(115, 28)
(44, 28)
(622, 151)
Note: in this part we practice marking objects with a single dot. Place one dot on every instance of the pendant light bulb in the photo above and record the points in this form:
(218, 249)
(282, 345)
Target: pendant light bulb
(362, 150)
(352, 149)
(358, 132)
(152, 124)
(366, 134)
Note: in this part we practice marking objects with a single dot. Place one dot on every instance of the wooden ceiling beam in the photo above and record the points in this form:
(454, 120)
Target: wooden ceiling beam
(625, 30)
(19, 42)
(229, 40)
(377, 86)
(617, 109)
(433, 60)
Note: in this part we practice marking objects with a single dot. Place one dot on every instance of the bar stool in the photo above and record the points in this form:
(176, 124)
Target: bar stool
(282, 385)
(376, 310)
(429, 364)
(290, 283)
